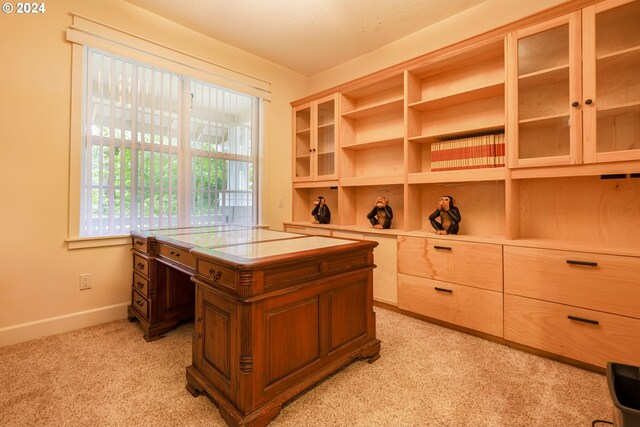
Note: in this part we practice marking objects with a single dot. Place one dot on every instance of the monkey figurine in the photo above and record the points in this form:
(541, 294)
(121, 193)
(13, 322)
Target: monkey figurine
(320, 212)
(448, 215)
(381, 214)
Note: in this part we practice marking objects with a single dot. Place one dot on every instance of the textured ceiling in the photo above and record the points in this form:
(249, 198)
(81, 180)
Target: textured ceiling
(308, 36)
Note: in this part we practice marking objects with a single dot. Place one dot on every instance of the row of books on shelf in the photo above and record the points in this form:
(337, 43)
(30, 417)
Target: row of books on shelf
(484, 151)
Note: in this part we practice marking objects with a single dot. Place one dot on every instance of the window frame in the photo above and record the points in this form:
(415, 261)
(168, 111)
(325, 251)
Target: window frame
(88, 32)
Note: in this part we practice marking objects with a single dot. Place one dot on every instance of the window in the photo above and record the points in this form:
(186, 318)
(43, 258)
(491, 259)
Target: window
(162, 149)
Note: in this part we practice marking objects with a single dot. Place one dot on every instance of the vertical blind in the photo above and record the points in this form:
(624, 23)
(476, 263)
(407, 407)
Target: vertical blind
(164, 150)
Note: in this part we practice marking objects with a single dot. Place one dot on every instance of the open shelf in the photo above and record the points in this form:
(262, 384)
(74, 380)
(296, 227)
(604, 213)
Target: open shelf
(376, 109)
(429, 138)
(458, 176)
(491, 90)
(367, 145)
(372, 180)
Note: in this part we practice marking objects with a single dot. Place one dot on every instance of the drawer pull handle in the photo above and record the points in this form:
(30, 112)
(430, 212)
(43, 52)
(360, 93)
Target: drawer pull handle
(140, 266)
(215, 275)
(140, 302)
(139, 242)
(171, 253)
(140, 285)
(444, 248)
(587, 263)
(581, 319)
(177, 254)
(450, 291)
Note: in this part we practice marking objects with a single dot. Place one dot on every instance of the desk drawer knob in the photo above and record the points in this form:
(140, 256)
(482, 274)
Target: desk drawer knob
(140, 285)
(140, 266)
(215, 274)
(583, 320)
(449, 291)
(140, 302)
(443, 248)
(139, 242)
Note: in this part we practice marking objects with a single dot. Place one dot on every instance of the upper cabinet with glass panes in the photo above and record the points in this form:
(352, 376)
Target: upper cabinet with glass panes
(314, 141)
(575, 88)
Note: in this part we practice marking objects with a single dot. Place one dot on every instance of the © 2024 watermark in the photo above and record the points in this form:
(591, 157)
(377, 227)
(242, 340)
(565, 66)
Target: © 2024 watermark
(33, 8)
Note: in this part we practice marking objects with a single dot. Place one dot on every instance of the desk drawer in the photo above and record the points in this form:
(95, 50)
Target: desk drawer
(473, 308)
(140, 303)
(601, 282)
(466, 263)
(141, 265)
(141, 285)
(217, 274)
(590, 336)
(140, 244)
(178, 255)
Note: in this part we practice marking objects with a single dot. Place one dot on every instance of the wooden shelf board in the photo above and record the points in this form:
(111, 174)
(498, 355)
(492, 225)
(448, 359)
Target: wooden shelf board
(615, 110)
(475, 94)
(546, 73)
(367, 145)
(455, 60)
(315, 184)
(368, 88)
(303, 131)
(468, 175)
(552, 120)
(372, 180)
(386, 107)
(325, 126)
(614, 55)
(592, 169)
(429, 138)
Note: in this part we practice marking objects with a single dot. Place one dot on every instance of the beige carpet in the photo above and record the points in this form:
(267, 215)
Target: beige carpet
(427, 375)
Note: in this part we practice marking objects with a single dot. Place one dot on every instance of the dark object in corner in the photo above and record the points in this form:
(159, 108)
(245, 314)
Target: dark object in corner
(624, 387)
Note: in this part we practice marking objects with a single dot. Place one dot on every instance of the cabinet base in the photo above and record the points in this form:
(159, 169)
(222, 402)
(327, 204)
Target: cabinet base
(197, 384)
(152, 331)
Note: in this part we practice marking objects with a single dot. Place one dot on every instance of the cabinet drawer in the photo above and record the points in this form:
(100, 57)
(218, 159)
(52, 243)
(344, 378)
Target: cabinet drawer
(141, 265)
(473, 308)
(218, 274)
(178, 255)
(140, 303)
(547, 326)
(141, 285)
(140, 244)
(466, 263)
(601, 282)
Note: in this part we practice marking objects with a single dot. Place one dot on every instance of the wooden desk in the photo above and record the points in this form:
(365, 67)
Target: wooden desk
(162, 293)
(273, 318)
(275, 312)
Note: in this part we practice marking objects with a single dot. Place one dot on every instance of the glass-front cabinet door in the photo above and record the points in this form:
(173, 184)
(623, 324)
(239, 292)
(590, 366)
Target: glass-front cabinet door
(314, 141)
(302, 144)
(611, 114)
(545, 88)
(325, 150)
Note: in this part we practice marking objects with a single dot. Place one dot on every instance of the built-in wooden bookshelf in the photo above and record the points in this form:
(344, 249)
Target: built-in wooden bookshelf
(564, 93)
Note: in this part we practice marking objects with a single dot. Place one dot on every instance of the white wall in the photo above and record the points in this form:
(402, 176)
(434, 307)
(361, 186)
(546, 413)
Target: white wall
(39, 275)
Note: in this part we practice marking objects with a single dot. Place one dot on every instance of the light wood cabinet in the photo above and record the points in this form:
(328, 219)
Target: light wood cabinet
(589, 336)
(563, 88)
(385, 274)
(466, 306)
(315, 157)
(574, 88)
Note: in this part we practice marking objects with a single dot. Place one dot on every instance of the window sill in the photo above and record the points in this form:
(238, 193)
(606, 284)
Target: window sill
(98, 241)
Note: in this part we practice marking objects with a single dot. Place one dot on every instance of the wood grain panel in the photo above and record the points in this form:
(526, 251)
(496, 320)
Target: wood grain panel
(216, 338)
(293, 338)
(466, 263)
(466, 306)
(547, 326)
(610, 285)
(347, 317)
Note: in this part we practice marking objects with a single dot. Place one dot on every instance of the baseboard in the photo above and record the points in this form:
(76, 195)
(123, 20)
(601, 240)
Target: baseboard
(55, 325)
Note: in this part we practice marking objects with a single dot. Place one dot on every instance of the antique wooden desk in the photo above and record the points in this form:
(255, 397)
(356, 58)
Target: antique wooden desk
(275, 312)
(162, 292)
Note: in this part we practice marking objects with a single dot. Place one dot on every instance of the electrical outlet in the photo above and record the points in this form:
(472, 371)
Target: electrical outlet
(85, 281)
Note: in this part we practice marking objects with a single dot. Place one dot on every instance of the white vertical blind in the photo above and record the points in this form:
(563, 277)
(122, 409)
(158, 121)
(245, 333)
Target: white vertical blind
(132, 163)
